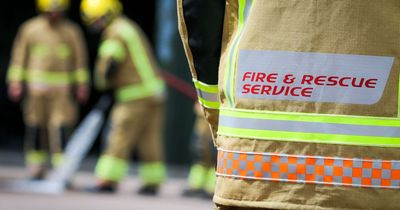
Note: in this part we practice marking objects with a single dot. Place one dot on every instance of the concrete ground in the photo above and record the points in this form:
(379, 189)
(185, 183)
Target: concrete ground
(169, 198)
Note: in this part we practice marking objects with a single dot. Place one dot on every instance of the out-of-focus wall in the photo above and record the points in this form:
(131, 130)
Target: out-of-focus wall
(170, 53)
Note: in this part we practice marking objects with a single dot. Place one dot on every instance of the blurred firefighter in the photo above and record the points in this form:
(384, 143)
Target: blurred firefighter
(126, 66)
(48, 71)
(201, 179)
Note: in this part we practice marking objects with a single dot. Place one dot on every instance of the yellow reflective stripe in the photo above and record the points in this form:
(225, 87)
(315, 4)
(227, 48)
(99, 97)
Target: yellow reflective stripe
(233, 52)
(209, 104)
(205, 87)
(207, 94)
(64, 51)
(15, 74)
(138, 54)
(152, 173)
(81, 75)
(111, 168)
(36, 157)
(304, 127)
(210, 180)
(197, 176)
(112, 48)
(233, 65)
(138, 91)
(49, 78)
(309, 137)
(57, 159)
(308, 117)
(39, 50)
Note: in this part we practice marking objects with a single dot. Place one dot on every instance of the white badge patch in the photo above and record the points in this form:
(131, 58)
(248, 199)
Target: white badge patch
(315, 77)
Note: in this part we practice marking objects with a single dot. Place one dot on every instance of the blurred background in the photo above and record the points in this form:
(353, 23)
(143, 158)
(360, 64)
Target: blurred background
(158, 20)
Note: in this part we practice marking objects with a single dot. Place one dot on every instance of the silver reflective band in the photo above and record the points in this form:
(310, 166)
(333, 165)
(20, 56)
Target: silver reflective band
(309, 127)
(207, 96)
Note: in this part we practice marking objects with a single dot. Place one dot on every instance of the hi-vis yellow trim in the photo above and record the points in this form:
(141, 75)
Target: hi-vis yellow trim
(197, 176)
(210, 180)
(112, 48)
(36, 157)
(207, 94)
(81, 75)
(309, 117)
(315, 128)
(15, 74)
(134, 92)
(152, 173)
(57, 159)
(201, 177)
(111, 168)
(150, 83)
(205, 87)
(243, 12)
(48, 78)
(56, 78)
(209, 104)
(64, 51)
(39, 50)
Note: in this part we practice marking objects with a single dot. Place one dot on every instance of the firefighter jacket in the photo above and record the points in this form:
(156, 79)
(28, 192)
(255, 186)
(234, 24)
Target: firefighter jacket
(309, 101)
(46, 56)
(126, 64)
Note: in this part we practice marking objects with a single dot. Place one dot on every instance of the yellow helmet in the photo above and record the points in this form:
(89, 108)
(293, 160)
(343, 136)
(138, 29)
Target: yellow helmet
(52, 5)
(92, 10)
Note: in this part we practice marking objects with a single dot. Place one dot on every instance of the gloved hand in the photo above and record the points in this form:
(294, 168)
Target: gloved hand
(15, 91)
(82, 93)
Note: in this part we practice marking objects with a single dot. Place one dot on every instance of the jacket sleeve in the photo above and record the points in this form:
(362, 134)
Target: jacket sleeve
(80, 67)
(201, 28)
(110, 54)
(19, 57)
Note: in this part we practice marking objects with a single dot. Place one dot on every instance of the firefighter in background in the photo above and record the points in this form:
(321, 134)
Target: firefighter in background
(335, 145)
(126, 66)
(48, 71)
(201, 179)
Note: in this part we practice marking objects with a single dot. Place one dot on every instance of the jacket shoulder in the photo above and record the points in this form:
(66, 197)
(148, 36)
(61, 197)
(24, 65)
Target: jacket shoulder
(71, 26)
(32, 24)
(123, 26)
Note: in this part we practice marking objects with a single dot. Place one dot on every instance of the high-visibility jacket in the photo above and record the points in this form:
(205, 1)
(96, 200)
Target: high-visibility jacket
(309, 103)
(47, 56)
(136, 74)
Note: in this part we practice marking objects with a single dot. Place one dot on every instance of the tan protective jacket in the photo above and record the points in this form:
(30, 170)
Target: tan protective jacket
(309, 104)
(47, 56)
(135, 75)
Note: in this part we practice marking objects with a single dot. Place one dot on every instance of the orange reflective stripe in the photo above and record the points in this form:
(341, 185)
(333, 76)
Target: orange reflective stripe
(338, 171)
